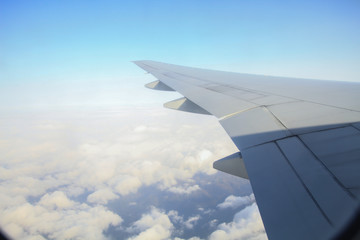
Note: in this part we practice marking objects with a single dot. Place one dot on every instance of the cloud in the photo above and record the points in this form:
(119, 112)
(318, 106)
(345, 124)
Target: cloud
(234, 202)
(184, 190)
(247, 224)
(102, 196)
(190, 223)
(213, 223)
(125, 184)
(175, 217)
(72, 163)
(154, 225)
(57, 217)
(56, 199)
(140, 128)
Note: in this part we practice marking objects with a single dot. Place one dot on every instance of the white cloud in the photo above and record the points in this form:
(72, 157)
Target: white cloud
(174, 216)
(140, 128)
(194, 238)
(204, 155)
(213, 223)
(191, 222)
(154, 225)
(184, 189)
(56, 199)
(234, 202)
(52, 158)
(38, 221)
(125, 184)
(102, 196)
(247, 224)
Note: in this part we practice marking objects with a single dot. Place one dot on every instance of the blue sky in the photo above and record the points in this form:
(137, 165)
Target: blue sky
(93, 143)
(87, 40)
(78, 52)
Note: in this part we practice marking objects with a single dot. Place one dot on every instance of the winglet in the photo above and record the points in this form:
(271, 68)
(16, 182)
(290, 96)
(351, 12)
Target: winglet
(233, 164)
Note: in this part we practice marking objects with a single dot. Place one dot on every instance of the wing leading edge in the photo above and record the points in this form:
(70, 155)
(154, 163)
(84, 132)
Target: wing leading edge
(299, 141)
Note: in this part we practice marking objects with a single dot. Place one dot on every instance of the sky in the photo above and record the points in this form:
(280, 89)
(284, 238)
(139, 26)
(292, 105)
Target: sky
(87, 152)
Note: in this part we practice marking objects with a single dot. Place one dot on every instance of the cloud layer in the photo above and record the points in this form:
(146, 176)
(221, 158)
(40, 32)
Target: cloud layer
(59, 170)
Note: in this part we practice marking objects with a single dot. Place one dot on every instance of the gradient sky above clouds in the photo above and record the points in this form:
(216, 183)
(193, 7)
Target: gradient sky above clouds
(76, 47)
(83, 145)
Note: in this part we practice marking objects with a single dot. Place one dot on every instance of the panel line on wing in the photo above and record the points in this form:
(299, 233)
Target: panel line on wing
(235, 113)
(332, 174)
(288, 132)
(356, 125)
(304, 185)
(292, 135)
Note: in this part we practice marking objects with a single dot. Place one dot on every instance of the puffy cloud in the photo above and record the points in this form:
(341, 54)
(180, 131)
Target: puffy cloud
(125, 184)
(184, 190)
(102, 196)
(42, 221)
(154, 225)
(247, 224)
(234, 202)
(56, 199)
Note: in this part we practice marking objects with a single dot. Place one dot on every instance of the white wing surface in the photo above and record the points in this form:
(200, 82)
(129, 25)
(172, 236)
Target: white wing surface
(298, 141)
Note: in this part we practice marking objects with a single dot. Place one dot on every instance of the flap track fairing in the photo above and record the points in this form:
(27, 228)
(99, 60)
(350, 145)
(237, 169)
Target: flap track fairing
(233, 164)
(184, 104)
(158, 85)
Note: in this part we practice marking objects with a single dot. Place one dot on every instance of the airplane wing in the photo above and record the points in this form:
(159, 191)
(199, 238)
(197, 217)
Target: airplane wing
(298, 141)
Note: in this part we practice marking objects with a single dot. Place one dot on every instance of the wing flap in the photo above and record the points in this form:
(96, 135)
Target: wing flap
(339, 150)
(333, 199)
(287, 176)
(276, 186)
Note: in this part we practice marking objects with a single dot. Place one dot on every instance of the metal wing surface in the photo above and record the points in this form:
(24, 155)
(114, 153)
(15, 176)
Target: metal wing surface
(298, 141)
